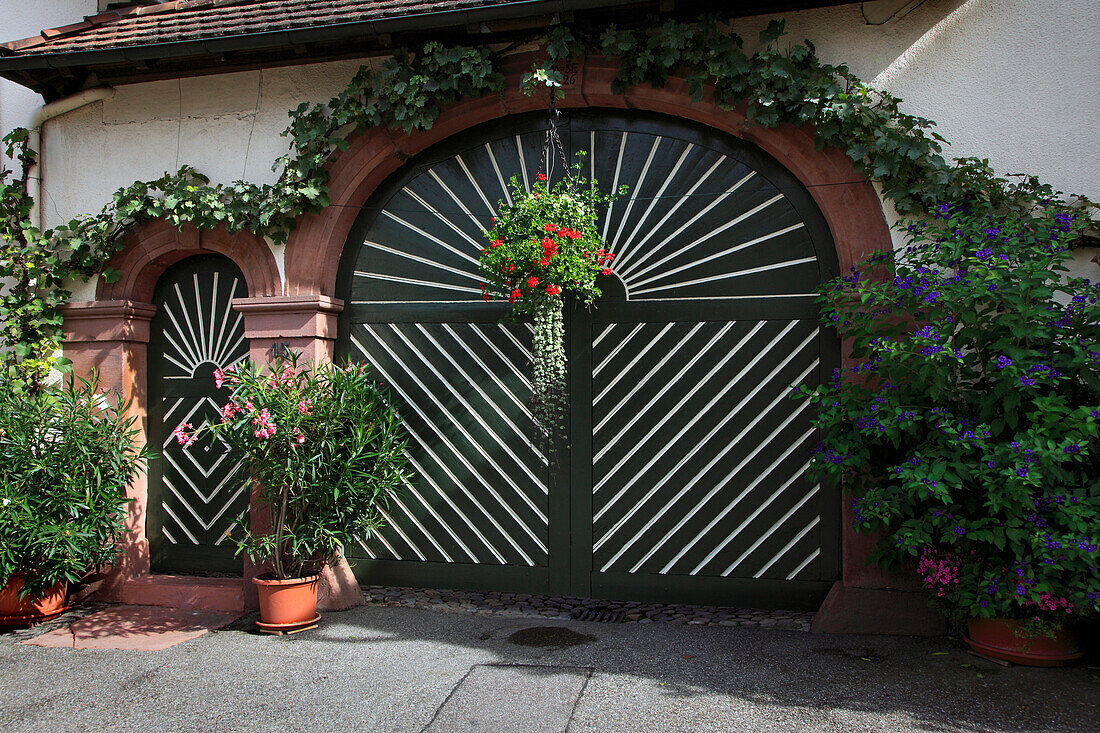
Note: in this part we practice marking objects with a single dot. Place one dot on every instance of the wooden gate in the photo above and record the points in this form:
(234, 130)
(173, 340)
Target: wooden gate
(681, 475)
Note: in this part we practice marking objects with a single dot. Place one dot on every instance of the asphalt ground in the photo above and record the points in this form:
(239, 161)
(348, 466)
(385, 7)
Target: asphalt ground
(378, 668)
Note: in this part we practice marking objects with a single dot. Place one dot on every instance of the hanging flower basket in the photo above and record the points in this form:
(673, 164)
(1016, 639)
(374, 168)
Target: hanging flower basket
(543, 245)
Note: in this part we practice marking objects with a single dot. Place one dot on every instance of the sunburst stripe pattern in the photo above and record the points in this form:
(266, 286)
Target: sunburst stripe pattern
(695, 223)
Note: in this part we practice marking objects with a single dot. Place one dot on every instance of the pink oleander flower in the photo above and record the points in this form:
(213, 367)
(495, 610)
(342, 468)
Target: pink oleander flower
(264, 425)
(230, 409)
(299, 438)
(219, 378)
(305, 406)
(181, 434)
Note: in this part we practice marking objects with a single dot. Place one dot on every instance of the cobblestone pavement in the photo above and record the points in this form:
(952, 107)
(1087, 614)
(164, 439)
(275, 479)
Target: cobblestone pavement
(540, 606)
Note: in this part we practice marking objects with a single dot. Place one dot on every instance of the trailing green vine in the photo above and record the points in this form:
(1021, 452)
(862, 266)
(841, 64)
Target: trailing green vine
(778, 85)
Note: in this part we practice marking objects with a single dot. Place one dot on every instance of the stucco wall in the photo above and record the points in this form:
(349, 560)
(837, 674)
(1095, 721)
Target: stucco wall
(20, 19)
(1011, 80)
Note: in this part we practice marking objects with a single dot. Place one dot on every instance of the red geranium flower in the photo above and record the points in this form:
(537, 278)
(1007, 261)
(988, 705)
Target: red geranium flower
(496, 242)
(541, 176)
(553, 290)
(550, 227)
(532, 281)
(606, 270)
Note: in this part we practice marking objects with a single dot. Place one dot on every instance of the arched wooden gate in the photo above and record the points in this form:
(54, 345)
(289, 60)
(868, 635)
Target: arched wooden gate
(681, 476)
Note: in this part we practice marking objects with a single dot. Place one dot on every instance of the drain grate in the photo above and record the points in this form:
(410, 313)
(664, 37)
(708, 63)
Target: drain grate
(602, 614)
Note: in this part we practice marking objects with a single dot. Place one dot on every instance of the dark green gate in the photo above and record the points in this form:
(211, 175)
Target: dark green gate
(681, 476)
(196, 494)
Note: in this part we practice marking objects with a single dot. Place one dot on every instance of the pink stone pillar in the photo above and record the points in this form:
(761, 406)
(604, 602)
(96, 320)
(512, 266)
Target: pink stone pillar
(111, 338)
(306, 324)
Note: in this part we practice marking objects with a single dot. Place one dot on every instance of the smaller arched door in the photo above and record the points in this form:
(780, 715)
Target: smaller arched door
(198, 493)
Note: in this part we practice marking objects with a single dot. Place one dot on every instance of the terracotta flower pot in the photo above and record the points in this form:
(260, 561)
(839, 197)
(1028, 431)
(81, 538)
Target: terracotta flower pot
(15, 610)
(1005, 639)
(287, 605)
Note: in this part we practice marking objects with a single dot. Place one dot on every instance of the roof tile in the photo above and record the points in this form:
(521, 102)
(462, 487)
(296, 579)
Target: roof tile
(191, 20)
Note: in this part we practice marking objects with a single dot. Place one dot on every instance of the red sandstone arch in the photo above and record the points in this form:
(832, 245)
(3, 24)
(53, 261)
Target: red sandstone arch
(853, 211)
(151, 247)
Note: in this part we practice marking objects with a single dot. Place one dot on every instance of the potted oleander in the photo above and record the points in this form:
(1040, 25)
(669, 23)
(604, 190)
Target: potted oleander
(326, 448)
(67, 454)
(966, 430)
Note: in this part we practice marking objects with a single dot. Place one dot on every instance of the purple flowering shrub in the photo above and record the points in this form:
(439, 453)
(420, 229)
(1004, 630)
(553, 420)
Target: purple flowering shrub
(967, 431)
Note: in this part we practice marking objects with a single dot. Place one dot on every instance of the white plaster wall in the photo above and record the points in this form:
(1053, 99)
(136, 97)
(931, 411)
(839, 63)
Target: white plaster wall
(22, 19)
(1012, 80)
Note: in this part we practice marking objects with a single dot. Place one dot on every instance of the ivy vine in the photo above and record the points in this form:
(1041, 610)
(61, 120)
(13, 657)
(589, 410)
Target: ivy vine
(778, 84)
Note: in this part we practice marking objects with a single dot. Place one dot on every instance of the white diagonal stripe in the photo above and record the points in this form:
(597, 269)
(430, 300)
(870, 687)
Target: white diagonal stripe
(424, 260)
(737, 248)
(611, 355)
(411, 281)
(621, 260)
(443, 495)
(462, 515)
(438, 215)
(698, 415)
(656, 395)
(180, 524)
(203, 343)
(602, 334)
(522, 165)
(788, 546)
(614, 186)
(496, 350)
(747, 521)
(450, 388)
(454, 451)
(698, 446)
(625, 272)
(695, 479)
(503, 185)
(804, 563)
(473, 182)
(458, 200)
(637, 187)
(477, 387)
(709, 235)
(658, 485)
(412, 518)
(728, 275)
(771, 530)
(434, 239)
(492, 375)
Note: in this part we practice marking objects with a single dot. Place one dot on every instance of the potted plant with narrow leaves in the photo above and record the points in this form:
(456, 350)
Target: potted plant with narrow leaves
(966, 432)
(67, 455)
(326, 448)
(542, 246)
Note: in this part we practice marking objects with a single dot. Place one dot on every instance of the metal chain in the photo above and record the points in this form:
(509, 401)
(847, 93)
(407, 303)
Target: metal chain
(553, 141)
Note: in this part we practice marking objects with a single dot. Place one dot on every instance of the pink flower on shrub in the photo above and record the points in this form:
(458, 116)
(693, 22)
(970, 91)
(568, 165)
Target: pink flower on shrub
(939, 572)
(219, 378)
(231, 408)
(305, 406)
(181, 434)
(299, 438)
(265, 427)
